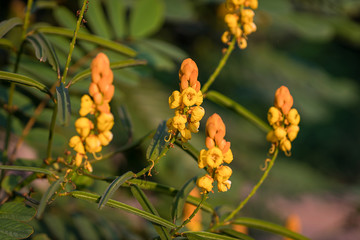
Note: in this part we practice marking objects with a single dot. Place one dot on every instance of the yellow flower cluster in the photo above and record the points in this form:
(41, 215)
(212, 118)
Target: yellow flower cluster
(219, 152)
(284, 120)
(186, 103)
(240, 21)
(93, 136)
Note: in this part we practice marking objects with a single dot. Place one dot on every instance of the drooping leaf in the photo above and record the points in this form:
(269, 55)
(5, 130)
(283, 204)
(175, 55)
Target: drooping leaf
(12, 229)
(115, 65)
(64, 106)
(96, 19)
(125, 120)
(27, 169)
(115, 204)
(7, 25)
(113, 187)
(89, 38)
(47, 195)
(117, 16)
(146, 17)
(5, 43)
(23, 80)
(207, 235)
(236, 234)
(180, 199)
(17, 211)
(147, 206)
(44, 51)
(269, 227)
(158, 142)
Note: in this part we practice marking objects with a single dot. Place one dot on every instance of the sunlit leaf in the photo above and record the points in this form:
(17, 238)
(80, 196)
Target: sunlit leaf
(89, 38)
(269, 227)
(115, 204)
(147, 206)
(47, 195)
(7, 25)
(110, 190)
(147, 17)
(64, 106)
(180, 199)
(23, 80)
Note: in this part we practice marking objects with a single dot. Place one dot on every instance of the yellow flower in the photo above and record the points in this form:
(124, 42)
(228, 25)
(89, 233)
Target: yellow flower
(76, 143)
(93, 144)
(87, 106)
(178, 122)
(189, 96)
(105, 121)
(205, 183)
(105, 138)
(194, 127)
(78, 159)
(274, 115)
(202, 158)
(293, 117)
(197, 114)
(83, 126)
(224, 186)
(270, 137)
(292, 132)
(285, 145)
(199, 98)
(175, 100)
(214, 157)
(223, 173)
(185, 135)
(280, 133)
(228, 156)
(88, 166)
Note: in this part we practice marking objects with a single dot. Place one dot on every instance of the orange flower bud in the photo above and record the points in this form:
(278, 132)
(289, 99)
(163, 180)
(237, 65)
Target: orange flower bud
(283, 99)
(293, 223)
(228, 156)
(209, 142)
(195, 224)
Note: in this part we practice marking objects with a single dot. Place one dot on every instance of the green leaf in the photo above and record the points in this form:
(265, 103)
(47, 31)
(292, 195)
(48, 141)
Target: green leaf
(17, 211)
(119, 205)
(158, 142)
(47, 195)
(44, 51)
(224, 101)
(96, 19)
(85, 227)
(188, 148)
(64, 106)
(89, 38)
(115, 65)
(5, 43)
(65, 17)
(113, 187)
(11, 229)
(180, 199)
(7, 25)
(117, 15)
(23, 80)
(27, 169)
(147, 206)
(147, 17)
(41, 236)
(9, 183)
(236, 234)
(207, 235)
(125, 120)
(165, 48)
(270, 227)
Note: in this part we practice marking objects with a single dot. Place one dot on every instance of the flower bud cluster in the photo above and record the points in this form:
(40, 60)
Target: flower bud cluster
(94, 135)
(218, 153)
(240, 21)
(284, 120)
(186, 103)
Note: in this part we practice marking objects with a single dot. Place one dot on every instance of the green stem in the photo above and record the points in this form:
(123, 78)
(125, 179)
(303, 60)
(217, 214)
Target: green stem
(219, 67)
(51, 132)
(222, 100)
(72, 44)
(253, 191)
(12, 85)
(193, 214)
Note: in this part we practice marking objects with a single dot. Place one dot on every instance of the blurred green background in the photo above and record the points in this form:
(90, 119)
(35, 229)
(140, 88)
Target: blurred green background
(310, 46)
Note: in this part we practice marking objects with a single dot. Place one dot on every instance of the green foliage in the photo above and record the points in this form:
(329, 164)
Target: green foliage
(64, 105)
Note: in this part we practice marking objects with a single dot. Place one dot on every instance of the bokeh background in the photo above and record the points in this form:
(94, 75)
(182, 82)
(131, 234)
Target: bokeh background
(310, 46)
